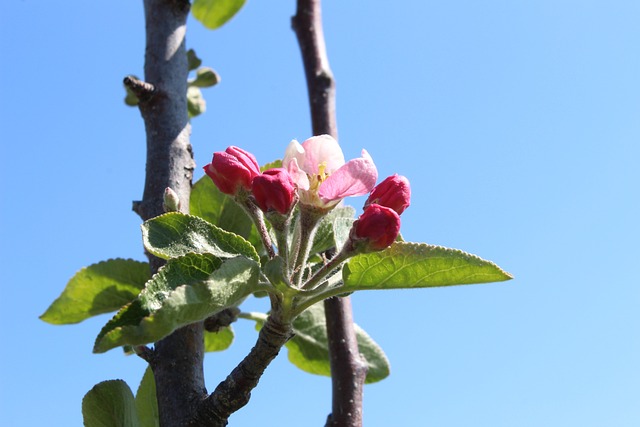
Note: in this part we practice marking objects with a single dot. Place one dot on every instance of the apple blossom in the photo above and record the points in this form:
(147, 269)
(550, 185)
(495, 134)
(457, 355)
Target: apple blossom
(394, 192)
(232, 170)
(321, 174)
(274, 189)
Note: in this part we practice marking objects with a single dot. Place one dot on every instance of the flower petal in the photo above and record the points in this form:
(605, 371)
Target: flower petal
(321, 149)
(299, 176)
(354, 178)
(294, 151)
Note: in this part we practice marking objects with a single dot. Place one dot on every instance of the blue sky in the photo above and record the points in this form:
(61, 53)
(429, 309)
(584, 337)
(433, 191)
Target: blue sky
(518, 124)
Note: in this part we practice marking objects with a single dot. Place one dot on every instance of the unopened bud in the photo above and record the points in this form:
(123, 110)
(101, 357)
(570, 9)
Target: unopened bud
(394, 192)
(170, 201)
(379, 226)
(274, 190)
(232, 170)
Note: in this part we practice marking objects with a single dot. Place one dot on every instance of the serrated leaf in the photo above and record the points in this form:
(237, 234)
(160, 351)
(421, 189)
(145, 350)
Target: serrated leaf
(186, 290)
(418, 265)
(218, 341)
(324, 238)
(196, 104)
(309, 349)
(193, 61)
(110, 404)
(210, 204)
(215, 13)
(175, 234)
(146, 401)
(97, 289)
(205, 77)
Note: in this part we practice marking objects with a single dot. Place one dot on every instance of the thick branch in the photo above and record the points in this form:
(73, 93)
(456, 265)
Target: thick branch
(348, 370)
(234, 392)
(177, 360)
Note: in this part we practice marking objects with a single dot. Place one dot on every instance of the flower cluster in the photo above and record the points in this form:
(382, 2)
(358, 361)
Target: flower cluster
(314, 177)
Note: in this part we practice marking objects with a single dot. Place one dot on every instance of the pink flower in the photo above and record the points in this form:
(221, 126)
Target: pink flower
(378, 225)
(394, 192)
(274, 190)
(232, 170)
(321, 174)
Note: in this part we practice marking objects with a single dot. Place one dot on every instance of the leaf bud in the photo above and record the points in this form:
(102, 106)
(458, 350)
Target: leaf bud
(170, 201)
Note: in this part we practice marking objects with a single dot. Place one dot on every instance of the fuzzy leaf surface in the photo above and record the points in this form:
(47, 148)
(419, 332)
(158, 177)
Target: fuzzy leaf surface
(325, 237)
(215, 13)
(210, 204)
(146, 402)
(97, 289)
(110, 404)
(186, 290)
(418, 265)
(309, 348)
(175, 234)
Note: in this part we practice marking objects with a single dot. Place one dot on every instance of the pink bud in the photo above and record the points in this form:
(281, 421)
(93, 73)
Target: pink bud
(394, 192)
(379, 225)
(232, 169)
(274, 190)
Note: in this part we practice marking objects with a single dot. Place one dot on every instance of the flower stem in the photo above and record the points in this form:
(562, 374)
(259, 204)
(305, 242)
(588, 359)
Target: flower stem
(326, 269)
(309, 218)
(258, 219)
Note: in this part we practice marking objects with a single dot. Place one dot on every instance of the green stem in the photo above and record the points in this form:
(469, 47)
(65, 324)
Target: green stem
(258, 219)
(326, 269)
(309, 218)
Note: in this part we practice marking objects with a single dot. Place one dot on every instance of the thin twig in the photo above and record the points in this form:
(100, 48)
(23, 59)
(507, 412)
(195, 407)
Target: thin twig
(348, 370)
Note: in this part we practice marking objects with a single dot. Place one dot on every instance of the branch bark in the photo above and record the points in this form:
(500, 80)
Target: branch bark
(235, 391)
(348, 370)
(177, 360)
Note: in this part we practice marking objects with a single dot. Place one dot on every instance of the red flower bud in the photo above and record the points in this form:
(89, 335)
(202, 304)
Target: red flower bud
(232, 169)
(394, 192)
(379, 225)
(274, 190)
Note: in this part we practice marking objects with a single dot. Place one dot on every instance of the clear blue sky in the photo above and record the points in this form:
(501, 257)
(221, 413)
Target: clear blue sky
(517, 122)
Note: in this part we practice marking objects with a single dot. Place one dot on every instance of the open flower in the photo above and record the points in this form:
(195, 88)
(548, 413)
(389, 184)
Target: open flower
(321, 174)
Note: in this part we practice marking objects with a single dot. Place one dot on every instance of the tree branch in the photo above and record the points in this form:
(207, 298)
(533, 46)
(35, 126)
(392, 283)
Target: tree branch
(234, 392)
(348, 370)
(177, 360)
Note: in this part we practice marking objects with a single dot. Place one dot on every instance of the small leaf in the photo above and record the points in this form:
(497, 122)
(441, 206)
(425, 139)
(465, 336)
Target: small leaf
(97, 289)
(418, 265)
(218, 341)
(205, 77)
(110, 404)
(175, 234)
(271, 165)
(309, 350)
(324, 238)
(186, 290)
(146, 401)
(210, 204)
(192, 60)
(196, 104)
(130, 99)
(215, 13)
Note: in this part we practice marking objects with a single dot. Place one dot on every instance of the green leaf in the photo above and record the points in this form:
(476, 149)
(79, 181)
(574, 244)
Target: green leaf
(146, 402)
(218, 341)
(210, 204)
(192, 60)
(175, 234)
(271, 165)
(205, 77)
(325, 238)
(215, 13)
(309, 348)
(418, 265)
(186, 290)
(97, 289)
(110, 404)
(196, 104)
